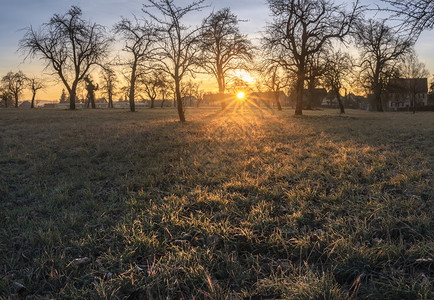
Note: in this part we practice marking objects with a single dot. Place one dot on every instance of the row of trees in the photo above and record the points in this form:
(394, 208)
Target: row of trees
(13, 84)
(161, 52)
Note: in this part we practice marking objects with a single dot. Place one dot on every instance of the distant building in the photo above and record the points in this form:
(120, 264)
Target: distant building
(405, 93)
(349, 101)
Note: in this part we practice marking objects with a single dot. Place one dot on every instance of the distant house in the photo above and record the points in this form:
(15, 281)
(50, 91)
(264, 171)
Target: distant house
(349, 101)
(431, 99)
(406, 93)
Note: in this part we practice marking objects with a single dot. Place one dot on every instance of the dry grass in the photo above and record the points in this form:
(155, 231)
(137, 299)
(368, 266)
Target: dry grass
(250, 204)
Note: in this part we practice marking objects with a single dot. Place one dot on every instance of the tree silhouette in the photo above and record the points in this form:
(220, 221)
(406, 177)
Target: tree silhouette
(110, 81)
(139, 39)
(14, 84)
(338, 69)
(5, 95)
(152, 84)
(63, 97)
(35, 85)
(70, 46)
(224, 48)
(274, 79)
(380, 50)
(177, 46)
(302, 28)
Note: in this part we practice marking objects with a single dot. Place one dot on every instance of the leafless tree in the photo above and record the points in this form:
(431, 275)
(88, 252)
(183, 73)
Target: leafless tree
(273, 79)
(418, 14)
(178, 43)
(380, 50)
(301, 28)
(152, 84)
(109, 83)
(338, 70)
(35, 84)
(165, 88)
(224, 48)
(140, 38)
(5, 95)
(15, 83)
(70, 45)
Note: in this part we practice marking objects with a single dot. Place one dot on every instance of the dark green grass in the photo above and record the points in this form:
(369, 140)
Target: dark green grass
(253, 204)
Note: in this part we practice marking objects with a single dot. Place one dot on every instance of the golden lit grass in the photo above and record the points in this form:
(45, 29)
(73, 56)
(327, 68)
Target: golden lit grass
(243, 203)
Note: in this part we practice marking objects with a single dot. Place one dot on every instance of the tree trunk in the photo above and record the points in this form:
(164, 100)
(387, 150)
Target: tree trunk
(221, 94)
(16, 101)
(110, 103)
(179, 101)
(162, 103)
(377, 91)
(72, 96)
(378, 103)
(276, 98)
(341, 105)
(299, 87)
(132, 87)
(152, 103)
(92, 101)
(33, 100)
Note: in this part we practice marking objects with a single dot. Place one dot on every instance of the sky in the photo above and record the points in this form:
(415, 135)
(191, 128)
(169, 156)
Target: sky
(16, 15)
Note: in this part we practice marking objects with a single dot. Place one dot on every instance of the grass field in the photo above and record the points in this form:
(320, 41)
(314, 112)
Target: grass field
(254, 204)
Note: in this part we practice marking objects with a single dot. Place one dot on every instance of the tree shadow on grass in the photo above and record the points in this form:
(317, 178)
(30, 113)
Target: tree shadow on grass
(242, 203)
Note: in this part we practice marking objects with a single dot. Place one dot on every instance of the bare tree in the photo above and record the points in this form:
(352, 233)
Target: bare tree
(15, 83)
(5, 95)
(338, 70)
(35, 85)
(380, 50)
(418, 14)
(110, 81)
(151, 84)
(301, 28)
(178, 43)
(70, 45)
(274, 79)
(224, 48)
(139, 38)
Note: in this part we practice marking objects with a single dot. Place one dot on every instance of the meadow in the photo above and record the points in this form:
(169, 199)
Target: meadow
(242, 204)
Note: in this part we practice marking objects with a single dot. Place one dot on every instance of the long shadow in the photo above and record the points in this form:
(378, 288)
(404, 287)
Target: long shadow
(143, 206)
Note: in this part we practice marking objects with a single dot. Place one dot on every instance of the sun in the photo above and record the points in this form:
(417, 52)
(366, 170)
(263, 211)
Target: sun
(241, 95)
